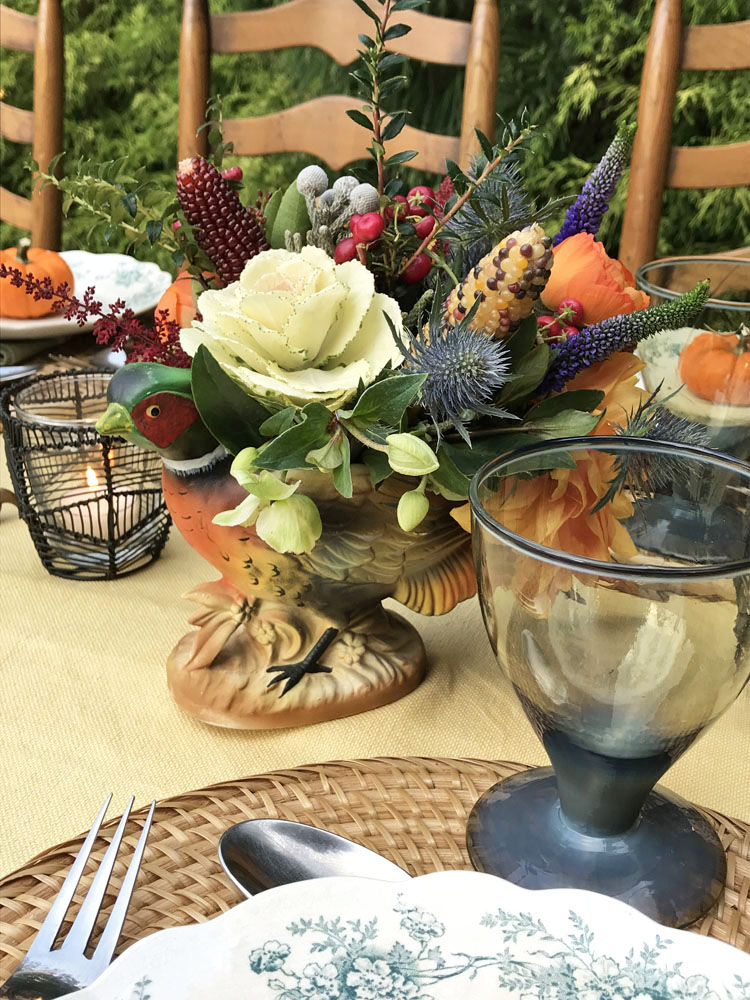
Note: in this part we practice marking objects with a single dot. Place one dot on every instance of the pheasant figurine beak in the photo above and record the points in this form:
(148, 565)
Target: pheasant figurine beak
(115, 421)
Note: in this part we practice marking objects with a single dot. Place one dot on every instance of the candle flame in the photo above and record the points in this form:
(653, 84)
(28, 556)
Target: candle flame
(91, 478)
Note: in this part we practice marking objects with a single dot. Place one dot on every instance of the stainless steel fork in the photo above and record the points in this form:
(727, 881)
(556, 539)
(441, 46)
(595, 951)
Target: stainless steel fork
(45, 972)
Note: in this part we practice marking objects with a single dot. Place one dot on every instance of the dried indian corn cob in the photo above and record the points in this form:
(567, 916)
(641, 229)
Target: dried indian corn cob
(509, 279)
(227, 233)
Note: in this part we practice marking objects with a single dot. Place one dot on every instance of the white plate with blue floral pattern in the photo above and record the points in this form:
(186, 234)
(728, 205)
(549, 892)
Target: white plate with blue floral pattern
(438, 937)
(113, 276)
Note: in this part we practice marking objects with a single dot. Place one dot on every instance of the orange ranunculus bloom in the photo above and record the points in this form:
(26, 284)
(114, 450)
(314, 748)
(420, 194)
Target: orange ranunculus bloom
(582, 270)
(616, 377)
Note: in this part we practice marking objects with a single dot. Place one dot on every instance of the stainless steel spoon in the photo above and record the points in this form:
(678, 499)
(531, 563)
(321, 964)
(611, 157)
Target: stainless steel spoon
(263, 853)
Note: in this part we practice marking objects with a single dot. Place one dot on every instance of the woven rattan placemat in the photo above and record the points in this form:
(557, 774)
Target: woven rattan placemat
(412, 810)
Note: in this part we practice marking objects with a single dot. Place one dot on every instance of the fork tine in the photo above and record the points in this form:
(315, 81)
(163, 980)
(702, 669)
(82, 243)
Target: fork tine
(110, 935)
(53, 921)
(78, 936)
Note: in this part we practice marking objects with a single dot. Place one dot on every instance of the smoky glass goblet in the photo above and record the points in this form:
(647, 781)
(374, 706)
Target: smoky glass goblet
(614, 580)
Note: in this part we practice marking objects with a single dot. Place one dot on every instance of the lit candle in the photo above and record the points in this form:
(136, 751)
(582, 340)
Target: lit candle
(88, 510)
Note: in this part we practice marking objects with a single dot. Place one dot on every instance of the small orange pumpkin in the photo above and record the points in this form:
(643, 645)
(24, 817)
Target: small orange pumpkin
(716, 366)
(42, 264)
(178, 301)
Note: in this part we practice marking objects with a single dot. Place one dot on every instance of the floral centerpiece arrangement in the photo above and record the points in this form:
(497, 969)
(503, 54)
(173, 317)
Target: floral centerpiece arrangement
(334, 363)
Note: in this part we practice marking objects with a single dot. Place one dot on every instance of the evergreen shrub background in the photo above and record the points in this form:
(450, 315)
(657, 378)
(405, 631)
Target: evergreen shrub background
(575, 64)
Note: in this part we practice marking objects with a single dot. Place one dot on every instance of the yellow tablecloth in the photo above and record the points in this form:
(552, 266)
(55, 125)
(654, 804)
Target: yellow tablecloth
(84, 708)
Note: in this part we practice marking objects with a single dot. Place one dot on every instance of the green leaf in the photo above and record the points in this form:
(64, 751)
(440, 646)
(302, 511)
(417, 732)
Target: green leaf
(449, 476)
(505, 202)
(230, 414)
(485, 144)
(377, 148)
(529, 372)
(394, 186)
(366, 10)
(396, 31)
(291, 216)
(569, 423)
(289, 450)
(272, 207)
(389, 87)
(576, 399)
(523, 340)
(360, 119)
(389, 60)
(131, 204)
(408, 5)
(279, 422)
(394, 126)
(386, 401)
(366, 41)
(153, 230)
(377, 463)
(342, 474)
(178, 257)
(404, 157)
(470, 460)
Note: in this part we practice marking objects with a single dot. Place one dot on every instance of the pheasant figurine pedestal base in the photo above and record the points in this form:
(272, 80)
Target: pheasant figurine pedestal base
(242, 668)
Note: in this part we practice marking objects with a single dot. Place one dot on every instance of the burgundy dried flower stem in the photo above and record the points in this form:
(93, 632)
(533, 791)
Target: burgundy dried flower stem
(119, 328)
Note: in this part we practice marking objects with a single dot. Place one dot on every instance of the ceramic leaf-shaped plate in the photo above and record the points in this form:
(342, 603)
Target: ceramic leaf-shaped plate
(437, 937)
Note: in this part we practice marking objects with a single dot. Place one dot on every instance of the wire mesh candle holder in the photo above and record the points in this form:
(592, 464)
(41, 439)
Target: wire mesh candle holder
(93, 505)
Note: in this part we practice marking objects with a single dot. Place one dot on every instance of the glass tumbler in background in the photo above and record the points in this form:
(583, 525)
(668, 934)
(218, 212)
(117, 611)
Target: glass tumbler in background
(614, 580)
(703, 372)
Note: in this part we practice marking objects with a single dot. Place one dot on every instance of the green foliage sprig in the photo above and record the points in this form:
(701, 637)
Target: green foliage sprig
(375, 86)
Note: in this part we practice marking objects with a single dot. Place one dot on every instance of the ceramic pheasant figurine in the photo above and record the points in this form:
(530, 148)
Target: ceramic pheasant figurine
(271, 607)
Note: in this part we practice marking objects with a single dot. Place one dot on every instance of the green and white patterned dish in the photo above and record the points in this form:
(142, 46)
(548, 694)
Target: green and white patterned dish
(114, 276)
(438, 937)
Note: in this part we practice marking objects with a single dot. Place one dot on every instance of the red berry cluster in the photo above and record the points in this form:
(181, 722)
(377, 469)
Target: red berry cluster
(415, 208)
(566, 322)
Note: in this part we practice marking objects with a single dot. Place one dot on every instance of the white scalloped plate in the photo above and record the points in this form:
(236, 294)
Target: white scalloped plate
(113, 275)
(438, 937)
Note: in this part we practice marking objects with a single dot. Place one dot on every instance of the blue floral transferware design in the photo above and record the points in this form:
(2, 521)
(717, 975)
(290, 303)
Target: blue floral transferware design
(439, 937)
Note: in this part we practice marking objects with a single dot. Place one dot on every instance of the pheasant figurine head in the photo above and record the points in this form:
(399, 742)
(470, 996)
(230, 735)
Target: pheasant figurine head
(151, 405)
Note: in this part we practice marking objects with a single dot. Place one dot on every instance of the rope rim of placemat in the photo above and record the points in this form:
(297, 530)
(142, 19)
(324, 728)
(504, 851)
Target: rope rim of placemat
(413, 810)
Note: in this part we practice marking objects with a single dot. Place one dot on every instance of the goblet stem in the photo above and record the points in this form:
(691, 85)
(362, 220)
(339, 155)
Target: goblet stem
(601, 796)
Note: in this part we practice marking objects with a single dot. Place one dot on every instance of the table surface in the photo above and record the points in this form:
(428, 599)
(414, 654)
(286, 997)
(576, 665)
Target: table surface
(85, 709)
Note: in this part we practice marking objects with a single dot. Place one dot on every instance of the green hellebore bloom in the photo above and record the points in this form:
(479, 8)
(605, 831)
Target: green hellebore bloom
(412, 509)
(410, 455)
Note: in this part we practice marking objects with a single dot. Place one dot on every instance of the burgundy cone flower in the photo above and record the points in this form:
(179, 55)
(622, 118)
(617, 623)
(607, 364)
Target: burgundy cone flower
(226, 232)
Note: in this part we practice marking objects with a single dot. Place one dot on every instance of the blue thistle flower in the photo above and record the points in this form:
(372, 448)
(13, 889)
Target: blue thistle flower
(619, 333)
(645, 472)
(586, 212)
(465, 369)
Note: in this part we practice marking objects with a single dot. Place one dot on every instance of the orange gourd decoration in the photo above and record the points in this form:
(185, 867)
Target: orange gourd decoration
(14, 301)
(716, 366)
(178, 301)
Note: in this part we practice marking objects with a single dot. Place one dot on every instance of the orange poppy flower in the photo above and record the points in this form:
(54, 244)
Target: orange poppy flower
(582, 270)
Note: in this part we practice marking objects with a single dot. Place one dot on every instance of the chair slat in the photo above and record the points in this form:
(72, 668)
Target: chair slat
(321, 128)
(15, 209)
(333, 26)
(709, 166)
(17, 30)
(717, 46)
(16, 124)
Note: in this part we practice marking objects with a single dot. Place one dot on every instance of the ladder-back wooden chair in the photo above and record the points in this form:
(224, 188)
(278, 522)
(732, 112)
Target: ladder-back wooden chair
(657, 164)
(42, 127)
(320, 126)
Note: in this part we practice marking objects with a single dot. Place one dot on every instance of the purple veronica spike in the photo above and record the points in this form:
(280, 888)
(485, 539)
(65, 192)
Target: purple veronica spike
(586, 212)
(597, 342)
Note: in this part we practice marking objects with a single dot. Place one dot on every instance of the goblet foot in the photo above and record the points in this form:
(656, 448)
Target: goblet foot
(670, 865)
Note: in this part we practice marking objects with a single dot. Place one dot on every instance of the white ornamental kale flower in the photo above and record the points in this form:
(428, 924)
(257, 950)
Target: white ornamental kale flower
(298, 328)
(363, 198)
(312, 181)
